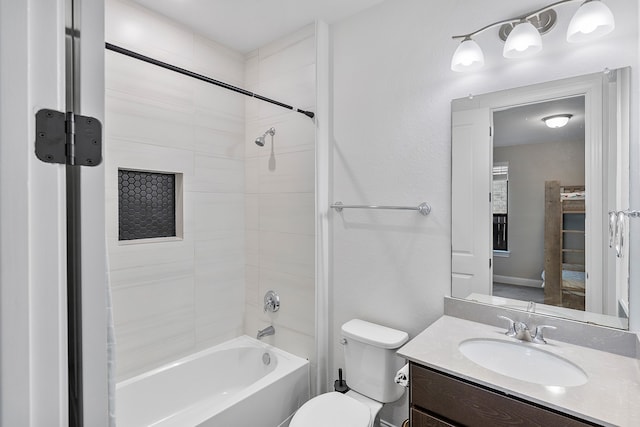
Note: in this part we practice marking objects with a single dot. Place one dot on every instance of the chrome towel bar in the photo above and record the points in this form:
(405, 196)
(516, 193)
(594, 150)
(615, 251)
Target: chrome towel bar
(422, 208)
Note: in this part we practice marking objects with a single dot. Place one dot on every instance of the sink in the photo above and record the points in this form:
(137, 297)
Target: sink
(523, 361)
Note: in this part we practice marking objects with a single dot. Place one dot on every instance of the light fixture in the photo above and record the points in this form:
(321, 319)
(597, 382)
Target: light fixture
(467, 57)
(592, 20)
(557, 120)
(522, 34)
(524, 40)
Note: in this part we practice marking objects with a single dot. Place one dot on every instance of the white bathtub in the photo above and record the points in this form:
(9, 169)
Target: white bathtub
(228, 385)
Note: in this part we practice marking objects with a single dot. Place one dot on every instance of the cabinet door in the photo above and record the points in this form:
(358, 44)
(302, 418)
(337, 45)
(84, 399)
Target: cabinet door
(420, 419)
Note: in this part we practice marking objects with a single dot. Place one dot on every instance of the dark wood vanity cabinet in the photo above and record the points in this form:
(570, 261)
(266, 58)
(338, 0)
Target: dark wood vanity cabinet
(438, 400)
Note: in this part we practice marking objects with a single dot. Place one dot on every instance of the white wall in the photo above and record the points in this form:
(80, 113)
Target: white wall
(172, 298)
(392, 88)
(280, 193)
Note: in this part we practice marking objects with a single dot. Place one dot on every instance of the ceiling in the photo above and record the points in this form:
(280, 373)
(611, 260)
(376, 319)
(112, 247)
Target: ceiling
(524, 125)
(245, 25)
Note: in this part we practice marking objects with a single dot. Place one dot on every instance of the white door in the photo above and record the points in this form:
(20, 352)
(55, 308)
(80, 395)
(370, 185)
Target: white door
(471, 239)
(33, 278)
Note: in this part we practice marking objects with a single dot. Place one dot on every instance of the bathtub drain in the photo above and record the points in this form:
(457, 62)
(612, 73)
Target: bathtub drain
(266, 359)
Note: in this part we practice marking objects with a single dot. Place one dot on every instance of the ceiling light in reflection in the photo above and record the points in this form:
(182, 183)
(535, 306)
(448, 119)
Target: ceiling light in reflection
(557, 121)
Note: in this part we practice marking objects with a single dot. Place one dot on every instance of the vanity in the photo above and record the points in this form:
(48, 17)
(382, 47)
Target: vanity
(516, 255)
(447, 388)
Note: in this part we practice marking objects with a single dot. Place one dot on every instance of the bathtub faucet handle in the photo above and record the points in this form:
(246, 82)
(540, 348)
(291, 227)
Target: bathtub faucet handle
(271, 302)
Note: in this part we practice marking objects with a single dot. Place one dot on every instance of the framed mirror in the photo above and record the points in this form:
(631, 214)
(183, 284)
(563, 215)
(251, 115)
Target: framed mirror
(535, 170)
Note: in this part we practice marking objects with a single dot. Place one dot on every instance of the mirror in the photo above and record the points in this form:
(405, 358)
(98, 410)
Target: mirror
(530, 198)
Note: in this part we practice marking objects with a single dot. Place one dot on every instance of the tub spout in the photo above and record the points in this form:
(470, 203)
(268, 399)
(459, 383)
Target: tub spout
(269, 330)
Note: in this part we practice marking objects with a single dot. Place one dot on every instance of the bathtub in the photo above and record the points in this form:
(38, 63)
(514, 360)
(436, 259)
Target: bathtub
(242, 382)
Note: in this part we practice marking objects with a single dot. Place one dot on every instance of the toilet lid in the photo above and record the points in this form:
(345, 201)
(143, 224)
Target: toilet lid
(332, 410)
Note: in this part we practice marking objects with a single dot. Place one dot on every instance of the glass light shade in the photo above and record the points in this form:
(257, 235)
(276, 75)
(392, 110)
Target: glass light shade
(524, 40)
(557, 121)
(592, 20)
(467, 57)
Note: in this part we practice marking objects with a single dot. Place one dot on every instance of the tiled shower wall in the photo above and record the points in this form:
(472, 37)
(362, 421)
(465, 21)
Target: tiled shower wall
(248, 211)
(280, 193)
(174, 297)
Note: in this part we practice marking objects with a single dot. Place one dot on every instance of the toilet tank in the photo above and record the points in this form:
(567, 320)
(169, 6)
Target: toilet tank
(370, 359)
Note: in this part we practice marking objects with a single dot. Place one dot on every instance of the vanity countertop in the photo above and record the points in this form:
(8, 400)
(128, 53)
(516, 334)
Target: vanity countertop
(611, 395)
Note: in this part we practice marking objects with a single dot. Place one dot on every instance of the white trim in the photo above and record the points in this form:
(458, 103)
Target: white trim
(94, 268)
(322, 327)
(501, 254)
(518, 281)
(33, 368)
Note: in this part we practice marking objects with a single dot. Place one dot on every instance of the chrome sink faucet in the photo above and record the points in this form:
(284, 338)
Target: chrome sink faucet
(520, 331)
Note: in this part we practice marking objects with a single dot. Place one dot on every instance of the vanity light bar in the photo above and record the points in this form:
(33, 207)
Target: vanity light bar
(521, 34)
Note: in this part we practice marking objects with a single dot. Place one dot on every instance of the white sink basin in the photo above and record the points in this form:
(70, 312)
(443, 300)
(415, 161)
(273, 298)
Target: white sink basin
(523, 361)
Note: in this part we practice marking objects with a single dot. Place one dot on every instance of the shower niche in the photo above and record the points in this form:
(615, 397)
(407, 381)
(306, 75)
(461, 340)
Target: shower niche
(149, 205)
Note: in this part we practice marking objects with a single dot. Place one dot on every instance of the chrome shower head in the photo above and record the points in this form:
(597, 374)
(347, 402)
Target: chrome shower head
(260, 140)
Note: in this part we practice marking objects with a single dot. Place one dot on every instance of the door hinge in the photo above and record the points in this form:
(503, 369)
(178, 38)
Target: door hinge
(68, 139)
(490, 131)
(489, 197)
(489, 262)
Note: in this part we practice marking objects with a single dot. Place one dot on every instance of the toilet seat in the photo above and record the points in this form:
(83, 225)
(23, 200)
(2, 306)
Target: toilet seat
(332, 409)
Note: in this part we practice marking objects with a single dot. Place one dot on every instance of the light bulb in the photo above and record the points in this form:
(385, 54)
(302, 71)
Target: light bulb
(467, 57)
(592, 20)
(524, 40)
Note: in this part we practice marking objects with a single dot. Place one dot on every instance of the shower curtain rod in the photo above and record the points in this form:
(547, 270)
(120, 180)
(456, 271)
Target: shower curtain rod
(206, 79)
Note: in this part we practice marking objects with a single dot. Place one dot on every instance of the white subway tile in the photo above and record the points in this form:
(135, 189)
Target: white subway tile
(297, 299)
(145, 300)
(288, 172)
(215, 212)
(288, 253)
(217, 61)
(252, 214)
(218, 142)
(252, 175)
(217, 175)
(149, 273)
(139, 29)
(252, 289)
(252, 247)
(288, 213)
(129, 76)
(149, 122)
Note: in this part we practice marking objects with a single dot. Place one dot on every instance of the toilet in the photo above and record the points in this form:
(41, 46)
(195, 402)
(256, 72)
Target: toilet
(371, 364)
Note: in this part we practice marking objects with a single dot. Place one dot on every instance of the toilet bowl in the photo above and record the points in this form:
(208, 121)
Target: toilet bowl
(371, 362)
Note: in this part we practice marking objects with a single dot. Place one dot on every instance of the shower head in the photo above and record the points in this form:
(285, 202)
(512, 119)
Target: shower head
(260, 140)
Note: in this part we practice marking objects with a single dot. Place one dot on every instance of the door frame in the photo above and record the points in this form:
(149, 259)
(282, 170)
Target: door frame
(33, 310)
